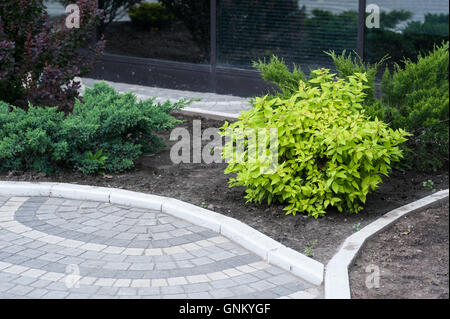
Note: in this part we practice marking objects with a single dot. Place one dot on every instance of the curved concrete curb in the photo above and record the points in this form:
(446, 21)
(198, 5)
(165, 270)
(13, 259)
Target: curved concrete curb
(337, 285)
(270, 250)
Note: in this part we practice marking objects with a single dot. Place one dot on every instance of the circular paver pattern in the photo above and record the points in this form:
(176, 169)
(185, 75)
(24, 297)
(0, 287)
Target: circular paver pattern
(60, 248)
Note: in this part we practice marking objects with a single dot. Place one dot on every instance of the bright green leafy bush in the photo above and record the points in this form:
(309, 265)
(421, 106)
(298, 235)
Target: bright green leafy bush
(42, 139)
(329, 152)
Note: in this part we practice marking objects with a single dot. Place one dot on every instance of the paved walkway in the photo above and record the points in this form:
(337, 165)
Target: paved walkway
(227, 104)
(58, 248)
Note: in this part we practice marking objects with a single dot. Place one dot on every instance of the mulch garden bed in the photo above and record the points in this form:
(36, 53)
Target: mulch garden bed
(412, 256)
(206, 185)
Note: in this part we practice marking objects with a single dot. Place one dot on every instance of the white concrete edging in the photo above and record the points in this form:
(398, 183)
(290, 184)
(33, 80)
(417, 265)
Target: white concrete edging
(270, 250)
(337, 284)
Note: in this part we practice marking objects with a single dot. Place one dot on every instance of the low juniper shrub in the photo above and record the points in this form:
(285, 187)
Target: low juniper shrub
(106, 132)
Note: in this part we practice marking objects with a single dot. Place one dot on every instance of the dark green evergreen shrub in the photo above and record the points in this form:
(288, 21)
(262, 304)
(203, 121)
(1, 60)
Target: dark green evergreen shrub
(415, 97)
(31, 140)
(108, 131)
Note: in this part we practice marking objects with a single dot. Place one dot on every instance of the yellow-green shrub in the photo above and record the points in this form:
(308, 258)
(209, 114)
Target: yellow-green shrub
(329, 152)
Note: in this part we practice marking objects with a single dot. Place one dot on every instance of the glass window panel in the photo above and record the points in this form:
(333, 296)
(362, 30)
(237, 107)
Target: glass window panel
(298, 31)
(55, 9)
(407, 28)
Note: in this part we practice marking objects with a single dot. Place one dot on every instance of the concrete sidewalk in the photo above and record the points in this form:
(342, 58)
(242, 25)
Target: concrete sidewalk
(64, 248)
(223, 106)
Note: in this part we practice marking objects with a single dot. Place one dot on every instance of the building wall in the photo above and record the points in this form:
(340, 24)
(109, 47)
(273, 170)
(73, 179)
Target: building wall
(173, 56)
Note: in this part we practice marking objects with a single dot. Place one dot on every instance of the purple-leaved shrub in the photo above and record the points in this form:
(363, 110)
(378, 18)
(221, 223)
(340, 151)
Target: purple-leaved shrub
(40, 58)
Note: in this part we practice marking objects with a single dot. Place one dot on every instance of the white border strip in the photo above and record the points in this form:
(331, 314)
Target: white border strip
(270, 250)
(337, 285)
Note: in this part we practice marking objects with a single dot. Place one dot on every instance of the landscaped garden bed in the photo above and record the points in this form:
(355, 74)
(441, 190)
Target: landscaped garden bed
(412, 256)
(206, 185)
(347, 150)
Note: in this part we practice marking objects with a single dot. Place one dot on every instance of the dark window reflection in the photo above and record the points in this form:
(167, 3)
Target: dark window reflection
(176, 30)
(297, 30)
(407, 29)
